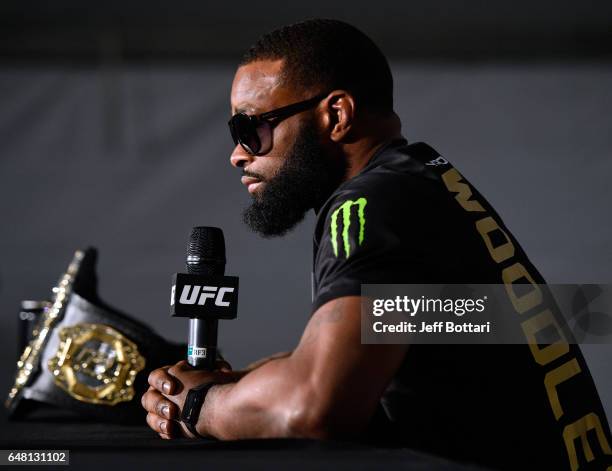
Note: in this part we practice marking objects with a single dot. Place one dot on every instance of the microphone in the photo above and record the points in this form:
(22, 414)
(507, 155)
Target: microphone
(204, 294)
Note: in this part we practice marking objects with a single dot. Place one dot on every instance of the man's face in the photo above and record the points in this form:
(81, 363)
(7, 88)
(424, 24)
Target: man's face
(297, 173)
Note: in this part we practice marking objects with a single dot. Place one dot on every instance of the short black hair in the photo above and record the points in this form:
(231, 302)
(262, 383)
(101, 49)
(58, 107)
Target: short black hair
(325, 54)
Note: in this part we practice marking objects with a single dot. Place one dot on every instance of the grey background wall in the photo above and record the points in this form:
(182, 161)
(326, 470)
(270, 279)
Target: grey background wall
(128, 156)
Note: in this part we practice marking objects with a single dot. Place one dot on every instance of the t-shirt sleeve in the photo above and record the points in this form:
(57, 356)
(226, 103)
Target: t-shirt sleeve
(366, 238)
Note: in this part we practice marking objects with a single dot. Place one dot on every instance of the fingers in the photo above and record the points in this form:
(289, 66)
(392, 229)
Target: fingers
(155, 403)
(161, 380)
(223, 365)
(183, 365)
(167, 429)
(180, 366)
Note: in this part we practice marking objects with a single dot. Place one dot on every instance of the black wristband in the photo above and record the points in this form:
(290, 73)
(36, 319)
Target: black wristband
(193, 405)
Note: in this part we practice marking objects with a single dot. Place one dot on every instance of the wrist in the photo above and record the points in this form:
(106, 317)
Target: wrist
(208, 423)
(190, 413)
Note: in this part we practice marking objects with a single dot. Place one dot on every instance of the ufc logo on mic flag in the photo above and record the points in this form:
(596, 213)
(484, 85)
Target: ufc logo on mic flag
(204, 296)
(198, 293)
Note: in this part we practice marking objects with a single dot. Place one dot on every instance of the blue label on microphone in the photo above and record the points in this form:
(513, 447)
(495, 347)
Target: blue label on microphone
(196, 352)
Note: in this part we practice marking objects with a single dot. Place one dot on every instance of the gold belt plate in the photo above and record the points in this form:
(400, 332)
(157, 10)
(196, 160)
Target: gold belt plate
(96, 364)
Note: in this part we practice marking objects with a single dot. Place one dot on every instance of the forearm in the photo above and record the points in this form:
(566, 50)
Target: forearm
(264, 403)
(328, 387)
(238, 374)
(263, 361)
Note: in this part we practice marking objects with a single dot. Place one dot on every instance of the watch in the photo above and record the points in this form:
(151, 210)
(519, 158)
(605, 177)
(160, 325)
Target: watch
(193, 404)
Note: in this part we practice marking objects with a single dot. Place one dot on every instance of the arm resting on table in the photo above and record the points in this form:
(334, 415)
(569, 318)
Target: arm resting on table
(328, 387)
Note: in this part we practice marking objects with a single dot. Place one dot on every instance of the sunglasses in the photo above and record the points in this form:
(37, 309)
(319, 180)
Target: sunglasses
(254, 132)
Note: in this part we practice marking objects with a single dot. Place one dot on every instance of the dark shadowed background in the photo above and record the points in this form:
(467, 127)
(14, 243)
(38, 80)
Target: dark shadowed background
(113, 134)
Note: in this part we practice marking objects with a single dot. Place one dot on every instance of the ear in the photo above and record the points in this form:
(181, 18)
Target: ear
(340, 114)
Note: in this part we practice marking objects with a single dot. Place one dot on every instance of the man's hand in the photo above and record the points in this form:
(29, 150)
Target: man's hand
(167, 392)
(328, 387)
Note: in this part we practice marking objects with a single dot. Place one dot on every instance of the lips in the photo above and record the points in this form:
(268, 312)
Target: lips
(251, 183)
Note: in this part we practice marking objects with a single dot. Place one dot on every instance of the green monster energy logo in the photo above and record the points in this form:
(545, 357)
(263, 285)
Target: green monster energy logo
(345, 209)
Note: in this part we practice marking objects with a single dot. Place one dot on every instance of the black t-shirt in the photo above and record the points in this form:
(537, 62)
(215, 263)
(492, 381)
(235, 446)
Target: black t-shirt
(410, 217)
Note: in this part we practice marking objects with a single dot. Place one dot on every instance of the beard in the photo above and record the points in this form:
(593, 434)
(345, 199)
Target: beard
(304, 181)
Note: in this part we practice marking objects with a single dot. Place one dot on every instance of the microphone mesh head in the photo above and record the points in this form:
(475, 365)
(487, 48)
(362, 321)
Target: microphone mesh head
(206, 251)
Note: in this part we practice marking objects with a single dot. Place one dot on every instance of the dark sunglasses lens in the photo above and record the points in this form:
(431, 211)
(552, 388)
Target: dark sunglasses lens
(243, 132)
(232, 129)
(264, 133)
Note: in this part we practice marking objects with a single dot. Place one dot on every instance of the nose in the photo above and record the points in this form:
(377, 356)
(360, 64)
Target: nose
(240, 157)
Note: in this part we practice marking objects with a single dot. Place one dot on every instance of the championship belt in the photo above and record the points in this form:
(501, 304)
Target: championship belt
(85, 356)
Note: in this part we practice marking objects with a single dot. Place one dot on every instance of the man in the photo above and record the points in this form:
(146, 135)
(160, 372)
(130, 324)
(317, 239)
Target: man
(314, 128)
